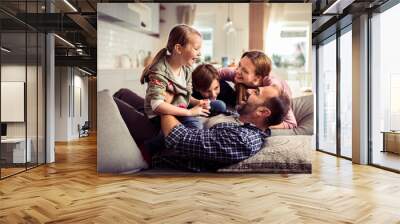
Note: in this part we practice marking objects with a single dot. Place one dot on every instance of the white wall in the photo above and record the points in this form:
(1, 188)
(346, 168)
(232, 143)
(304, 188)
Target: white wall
(61, 103)
(17, 73)
(79, 117)
(14, 73)
(115, 41)
(68, 81)
(33, 127)
(170, 18)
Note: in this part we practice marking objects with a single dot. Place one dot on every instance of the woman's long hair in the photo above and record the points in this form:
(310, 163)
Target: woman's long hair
(179, 35)
(263, 67)
(260, 60)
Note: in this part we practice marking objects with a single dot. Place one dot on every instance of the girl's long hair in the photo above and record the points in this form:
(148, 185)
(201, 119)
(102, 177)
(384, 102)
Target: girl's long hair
(179, 35)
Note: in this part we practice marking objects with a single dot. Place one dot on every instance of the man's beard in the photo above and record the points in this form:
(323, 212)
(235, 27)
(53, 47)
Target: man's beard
(245, 109)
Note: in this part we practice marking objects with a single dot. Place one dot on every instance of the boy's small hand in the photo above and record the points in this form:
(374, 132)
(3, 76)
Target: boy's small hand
(199, 111)
(205, 104)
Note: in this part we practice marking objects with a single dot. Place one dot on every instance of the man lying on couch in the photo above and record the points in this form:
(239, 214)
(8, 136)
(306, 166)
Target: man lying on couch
(224, 143)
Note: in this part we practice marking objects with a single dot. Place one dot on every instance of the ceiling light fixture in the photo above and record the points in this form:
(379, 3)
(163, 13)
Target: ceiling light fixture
(64, 40)
(337, 7)
(70, 5)
(228, 26)
(84, 71)
(5, 50)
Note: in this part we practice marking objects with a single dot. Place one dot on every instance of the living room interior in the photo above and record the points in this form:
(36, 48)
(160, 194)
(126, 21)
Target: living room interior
(342, 54)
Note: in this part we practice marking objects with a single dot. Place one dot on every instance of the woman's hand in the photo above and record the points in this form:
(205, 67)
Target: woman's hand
(198, 110)
(238, 77)
(278, 126)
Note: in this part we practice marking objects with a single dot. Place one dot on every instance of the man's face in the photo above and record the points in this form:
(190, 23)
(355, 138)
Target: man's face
(256, 98)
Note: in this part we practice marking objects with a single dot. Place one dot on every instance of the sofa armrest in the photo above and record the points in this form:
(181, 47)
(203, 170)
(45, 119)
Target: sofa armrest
(117, 152)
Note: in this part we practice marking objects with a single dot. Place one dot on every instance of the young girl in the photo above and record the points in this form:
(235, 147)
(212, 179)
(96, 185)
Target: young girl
(206, 86)
(254, 71)
(170, 72)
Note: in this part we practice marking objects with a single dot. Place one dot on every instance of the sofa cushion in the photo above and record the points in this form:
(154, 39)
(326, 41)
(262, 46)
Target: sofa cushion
(280, 154)
(117, 152)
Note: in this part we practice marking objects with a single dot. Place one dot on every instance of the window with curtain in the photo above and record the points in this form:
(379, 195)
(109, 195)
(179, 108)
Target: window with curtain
(287, 43)
(207, 46)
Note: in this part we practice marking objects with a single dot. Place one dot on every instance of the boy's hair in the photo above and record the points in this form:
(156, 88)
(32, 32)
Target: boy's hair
(260, 60)
(178, 35)
(279, 107)
(202, 77)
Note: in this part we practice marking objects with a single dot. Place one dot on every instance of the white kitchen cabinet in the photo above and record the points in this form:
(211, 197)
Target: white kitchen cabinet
(141, 17)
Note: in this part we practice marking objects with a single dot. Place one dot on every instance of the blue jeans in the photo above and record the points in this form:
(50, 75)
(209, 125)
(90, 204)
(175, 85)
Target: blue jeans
(191, 122)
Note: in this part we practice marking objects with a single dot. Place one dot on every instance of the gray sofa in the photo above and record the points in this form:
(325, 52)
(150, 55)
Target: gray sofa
(117, 152)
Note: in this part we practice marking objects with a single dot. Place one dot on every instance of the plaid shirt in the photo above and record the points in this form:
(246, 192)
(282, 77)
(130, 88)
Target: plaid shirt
(209, 149)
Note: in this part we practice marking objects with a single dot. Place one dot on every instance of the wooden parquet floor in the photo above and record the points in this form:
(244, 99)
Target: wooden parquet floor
(71, 191)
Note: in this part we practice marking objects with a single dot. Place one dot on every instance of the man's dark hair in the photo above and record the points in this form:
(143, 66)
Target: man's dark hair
(279, 107)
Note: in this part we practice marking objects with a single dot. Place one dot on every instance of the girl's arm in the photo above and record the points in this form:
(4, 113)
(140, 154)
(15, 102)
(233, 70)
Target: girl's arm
(166, 108)
(194, 101)
(157, 91)
(157, 94)
(227, 74)
(289, 122)
(205, 103)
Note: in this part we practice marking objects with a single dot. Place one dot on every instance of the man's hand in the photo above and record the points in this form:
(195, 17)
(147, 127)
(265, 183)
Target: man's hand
(168, 122)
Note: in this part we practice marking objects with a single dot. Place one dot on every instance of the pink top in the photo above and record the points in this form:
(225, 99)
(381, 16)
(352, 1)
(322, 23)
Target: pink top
(289, 122)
